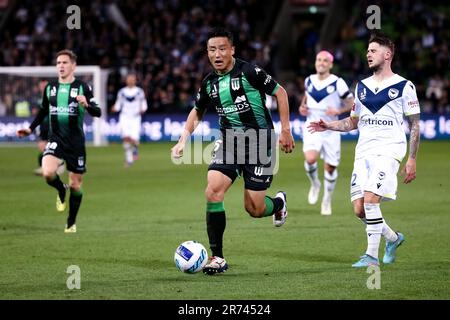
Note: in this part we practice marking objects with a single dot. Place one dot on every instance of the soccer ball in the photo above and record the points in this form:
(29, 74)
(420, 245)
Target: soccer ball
(190, 257)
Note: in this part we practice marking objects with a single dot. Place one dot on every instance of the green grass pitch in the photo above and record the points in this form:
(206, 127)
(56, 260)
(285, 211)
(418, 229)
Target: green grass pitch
(131, 220)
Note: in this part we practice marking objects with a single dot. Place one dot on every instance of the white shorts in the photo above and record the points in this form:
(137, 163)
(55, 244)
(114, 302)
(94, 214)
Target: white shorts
(377, 174)
(130, 128)
(327, 143)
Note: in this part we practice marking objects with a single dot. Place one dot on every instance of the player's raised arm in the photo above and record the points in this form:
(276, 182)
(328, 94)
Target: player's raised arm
(344, 125)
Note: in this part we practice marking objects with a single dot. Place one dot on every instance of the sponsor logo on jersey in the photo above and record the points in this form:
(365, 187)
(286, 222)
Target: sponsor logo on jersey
(393, 93)
(377, 122)
(74, 92)
(240, 105)
(235, 84)
(330, 89)
(240, 99)
(71, 109)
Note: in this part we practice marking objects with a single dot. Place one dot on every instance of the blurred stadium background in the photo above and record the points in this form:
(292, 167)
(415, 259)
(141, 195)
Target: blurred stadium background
(132, 220)
(163, 42)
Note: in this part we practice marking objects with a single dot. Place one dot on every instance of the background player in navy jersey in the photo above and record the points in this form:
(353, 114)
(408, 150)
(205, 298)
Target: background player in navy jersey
(236, 89)
(381, 102)
(326, 97)
(65, 101)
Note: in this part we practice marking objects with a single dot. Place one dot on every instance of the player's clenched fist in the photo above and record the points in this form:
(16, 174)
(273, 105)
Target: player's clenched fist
(177, 150)
(23, 132)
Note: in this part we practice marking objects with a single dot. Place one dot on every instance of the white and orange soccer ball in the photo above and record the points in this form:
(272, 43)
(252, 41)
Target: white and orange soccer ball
(190, 257)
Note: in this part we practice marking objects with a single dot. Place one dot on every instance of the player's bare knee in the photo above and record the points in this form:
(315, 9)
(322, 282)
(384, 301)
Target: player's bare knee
(358, 209)
(360, 214)
(214, 194)
(48, 175)
(329, 168)
(75, 185)
(310, 160)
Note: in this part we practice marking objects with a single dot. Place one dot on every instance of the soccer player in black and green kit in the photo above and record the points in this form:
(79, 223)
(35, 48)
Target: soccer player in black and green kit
(237, 89)
(65, 102)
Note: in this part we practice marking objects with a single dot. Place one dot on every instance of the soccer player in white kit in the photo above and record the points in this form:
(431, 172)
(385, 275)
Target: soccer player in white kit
(131, 103)
(381, 103)
(326, 97)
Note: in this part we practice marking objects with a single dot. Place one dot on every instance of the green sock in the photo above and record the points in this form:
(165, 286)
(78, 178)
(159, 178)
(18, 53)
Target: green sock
(272, 205)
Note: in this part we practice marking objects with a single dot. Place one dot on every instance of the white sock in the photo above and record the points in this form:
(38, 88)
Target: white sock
(128, 152)
(311, 172)
(374, 228)
(388, 233)
(329, 183)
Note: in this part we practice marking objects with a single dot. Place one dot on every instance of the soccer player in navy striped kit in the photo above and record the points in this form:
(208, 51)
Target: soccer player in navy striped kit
(381, 103)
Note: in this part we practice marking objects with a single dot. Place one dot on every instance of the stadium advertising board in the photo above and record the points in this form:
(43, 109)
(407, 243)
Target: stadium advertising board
(169, 127)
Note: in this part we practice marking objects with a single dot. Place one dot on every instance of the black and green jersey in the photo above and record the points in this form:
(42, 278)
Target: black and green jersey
(65, 114)
(238, 96)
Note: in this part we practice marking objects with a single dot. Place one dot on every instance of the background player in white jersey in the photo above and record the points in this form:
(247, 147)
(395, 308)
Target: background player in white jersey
(326, 97)
(381, 102)
(131, 103)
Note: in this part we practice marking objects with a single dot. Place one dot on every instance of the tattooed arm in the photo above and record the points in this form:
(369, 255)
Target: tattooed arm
(344, 125)
(409, 170)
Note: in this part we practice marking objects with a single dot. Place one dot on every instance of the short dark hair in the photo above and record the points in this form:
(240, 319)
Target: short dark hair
(67, 52)
(383, 40)
(220, 32)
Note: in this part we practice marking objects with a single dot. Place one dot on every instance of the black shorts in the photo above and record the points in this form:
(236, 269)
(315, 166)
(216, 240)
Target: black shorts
(247, 154)
(74, 156)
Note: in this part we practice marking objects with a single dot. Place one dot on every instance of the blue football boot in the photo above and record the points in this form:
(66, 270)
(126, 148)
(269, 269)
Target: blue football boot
(391, 249)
